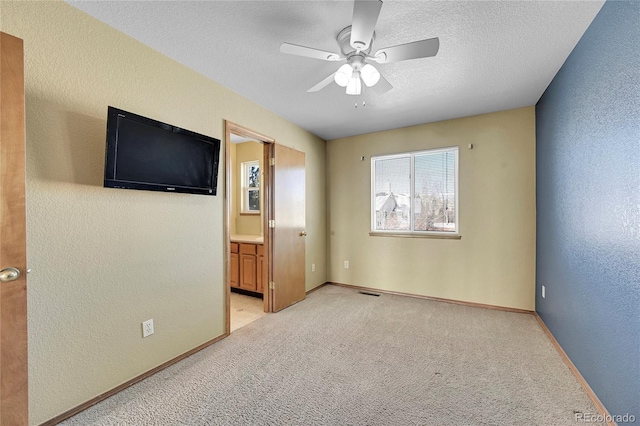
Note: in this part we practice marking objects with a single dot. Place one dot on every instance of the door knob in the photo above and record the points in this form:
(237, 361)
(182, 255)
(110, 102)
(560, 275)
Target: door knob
(303, 234)
(9, 274)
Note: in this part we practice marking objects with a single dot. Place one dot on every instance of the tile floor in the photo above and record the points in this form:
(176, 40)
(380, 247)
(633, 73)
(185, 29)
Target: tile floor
(245, 310)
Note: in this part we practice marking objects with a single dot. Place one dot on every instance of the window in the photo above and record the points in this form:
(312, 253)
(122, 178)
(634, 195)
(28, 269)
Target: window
(251, 187)
(416, 192)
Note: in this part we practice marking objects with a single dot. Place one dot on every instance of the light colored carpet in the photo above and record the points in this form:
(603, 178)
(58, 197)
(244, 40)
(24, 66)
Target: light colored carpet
(245, 310)
(342, 358)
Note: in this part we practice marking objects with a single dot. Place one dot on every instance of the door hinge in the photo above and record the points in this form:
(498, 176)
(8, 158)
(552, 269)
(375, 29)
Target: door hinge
(272, 224)
(272, 285)
(272, 161)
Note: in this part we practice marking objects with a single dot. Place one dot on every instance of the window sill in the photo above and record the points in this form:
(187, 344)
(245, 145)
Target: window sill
(416, 235)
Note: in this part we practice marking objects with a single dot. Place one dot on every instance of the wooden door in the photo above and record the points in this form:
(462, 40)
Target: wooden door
(13, 291)
(288, 235)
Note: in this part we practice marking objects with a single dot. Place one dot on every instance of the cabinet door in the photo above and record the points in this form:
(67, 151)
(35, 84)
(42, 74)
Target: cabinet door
(259, 281)
(248, 272)
(235, 270)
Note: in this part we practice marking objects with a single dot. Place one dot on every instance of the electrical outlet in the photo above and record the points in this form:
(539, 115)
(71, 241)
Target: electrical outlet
(346, 264)
(313, 267)
(147, 328)
(543, 292)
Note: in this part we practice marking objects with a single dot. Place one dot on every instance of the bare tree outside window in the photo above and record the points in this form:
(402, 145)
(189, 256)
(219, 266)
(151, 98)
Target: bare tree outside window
(415, 192)
(435, 191)
(392, 197)
(254, 176)
(251, 187)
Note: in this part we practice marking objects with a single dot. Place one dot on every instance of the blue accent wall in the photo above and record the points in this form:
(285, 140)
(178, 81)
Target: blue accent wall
(588, 206)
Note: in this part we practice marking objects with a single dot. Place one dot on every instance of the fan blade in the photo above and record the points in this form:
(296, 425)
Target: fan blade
(365, 16)
(403, 52)
(309, 52)
(382, 86)
(324, 83)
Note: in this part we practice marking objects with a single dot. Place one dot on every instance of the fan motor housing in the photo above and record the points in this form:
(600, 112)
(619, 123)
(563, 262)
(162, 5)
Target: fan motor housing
(344, 41)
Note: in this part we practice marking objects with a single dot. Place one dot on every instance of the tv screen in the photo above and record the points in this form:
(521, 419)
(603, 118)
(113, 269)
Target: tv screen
(146, 154)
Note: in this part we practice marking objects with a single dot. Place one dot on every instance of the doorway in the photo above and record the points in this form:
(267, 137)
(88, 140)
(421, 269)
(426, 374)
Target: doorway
(265, 260)
(247, 199)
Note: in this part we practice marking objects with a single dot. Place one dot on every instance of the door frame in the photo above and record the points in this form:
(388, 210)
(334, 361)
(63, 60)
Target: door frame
(267, 193)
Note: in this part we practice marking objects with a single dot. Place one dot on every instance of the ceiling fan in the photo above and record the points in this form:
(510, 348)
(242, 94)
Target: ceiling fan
(355, 43)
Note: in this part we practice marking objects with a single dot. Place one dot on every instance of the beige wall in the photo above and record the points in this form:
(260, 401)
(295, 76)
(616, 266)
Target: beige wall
(104, 260)
(246, 224)
(493, 263)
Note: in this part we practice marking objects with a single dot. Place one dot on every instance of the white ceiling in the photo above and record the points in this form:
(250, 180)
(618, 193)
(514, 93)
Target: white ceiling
(494, 55)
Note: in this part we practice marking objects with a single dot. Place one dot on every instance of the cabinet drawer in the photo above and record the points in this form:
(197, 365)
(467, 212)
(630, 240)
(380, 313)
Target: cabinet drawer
(247, 248)
(260, 250)
(234, 247)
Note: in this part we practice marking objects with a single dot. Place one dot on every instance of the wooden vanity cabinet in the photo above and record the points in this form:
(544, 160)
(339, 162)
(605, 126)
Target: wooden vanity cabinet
(246, 266)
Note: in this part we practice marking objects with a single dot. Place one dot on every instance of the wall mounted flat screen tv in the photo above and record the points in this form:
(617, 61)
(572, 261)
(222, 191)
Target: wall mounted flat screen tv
(146, 154)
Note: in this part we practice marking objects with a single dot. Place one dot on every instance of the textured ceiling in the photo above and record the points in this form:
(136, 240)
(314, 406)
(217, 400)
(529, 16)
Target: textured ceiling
(494, 55)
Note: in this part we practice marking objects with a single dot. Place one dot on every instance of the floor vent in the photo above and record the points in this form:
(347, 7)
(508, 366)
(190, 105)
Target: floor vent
(369, 294)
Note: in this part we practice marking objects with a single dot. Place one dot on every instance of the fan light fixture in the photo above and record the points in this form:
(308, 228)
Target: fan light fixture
(370, 75)
(349, 77)
(354, 87)
(343, 75)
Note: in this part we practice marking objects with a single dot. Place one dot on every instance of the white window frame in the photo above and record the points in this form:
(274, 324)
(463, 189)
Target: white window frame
(245, 186)
(411, 155)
